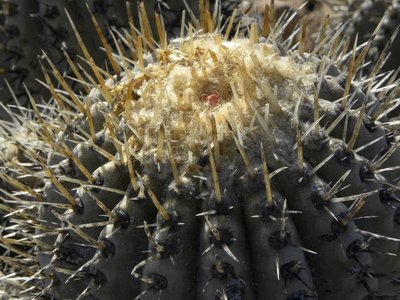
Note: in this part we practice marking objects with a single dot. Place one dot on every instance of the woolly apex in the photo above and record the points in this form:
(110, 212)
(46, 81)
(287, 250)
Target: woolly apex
(207, 81)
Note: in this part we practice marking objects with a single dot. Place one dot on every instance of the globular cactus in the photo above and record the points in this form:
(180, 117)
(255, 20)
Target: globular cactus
(384, 15)
(214, 168)
(19, 50)
(387, 40)
(364, 18)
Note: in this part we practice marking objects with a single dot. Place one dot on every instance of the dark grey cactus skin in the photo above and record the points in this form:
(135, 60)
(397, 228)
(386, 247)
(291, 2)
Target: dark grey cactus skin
(340, 268)
(340, 261)
(41, 25)
(390, 24)
(20, 50)
(366, 15)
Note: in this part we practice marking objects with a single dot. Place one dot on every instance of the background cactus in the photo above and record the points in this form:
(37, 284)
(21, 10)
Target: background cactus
(365, 16)
(389, 32)
(211, 168)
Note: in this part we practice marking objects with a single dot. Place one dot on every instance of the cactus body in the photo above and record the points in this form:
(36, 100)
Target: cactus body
(215, 168)
(366, 16)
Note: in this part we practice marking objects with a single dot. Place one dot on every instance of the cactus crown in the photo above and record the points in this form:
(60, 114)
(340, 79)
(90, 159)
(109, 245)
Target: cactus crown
(175, 93)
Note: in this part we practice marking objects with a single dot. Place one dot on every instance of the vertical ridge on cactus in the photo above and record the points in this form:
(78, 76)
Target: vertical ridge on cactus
(209, 166)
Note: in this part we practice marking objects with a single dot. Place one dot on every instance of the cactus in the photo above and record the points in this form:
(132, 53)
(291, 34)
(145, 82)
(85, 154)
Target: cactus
(316, 12)
(211, 168)
(20, 48)
(33, 26)
(385, 15)
(365, 17)
(388, 32)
